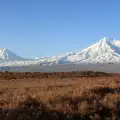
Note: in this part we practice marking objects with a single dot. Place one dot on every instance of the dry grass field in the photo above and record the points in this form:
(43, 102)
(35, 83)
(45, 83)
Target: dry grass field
(59, 96)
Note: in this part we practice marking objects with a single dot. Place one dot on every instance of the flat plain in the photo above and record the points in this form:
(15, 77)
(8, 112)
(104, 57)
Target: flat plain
(83, 95)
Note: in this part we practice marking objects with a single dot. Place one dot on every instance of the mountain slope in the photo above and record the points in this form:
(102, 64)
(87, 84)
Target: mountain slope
(105, 50)
(7, 55)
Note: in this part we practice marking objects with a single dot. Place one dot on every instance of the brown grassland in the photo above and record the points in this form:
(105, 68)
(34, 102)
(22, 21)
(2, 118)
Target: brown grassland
(59, 96)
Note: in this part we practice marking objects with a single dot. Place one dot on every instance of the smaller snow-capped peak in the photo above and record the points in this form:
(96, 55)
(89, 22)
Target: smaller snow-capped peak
(5, 54)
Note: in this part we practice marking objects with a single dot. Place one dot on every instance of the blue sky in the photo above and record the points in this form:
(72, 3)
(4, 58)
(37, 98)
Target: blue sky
(33, 28)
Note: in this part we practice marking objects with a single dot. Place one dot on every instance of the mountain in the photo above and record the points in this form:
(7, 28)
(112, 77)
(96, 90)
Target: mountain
(105, 50)
(6, 55)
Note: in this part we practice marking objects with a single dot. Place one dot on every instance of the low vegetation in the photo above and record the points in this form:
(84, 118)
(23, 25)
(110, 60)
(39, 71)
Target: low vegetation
(61, 96)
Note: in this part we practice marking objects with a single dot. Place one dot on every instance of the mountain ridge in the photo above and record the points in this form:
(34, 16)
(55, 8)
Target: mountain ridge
(105, 50)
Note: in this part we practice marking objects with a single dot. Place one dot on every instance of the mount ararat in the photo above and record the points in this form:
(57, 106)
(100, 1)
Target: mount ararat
(105, 50)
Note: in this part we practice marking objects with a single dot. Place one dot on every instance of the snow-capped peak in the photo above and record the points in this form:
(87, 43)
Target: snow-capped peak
(5, 54)
(107, 49)
(107, 39)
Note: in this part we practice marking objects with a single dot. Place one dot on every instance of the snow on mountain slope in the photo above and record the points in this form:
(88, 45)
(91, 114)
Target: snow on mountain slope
(7, 55)
(106, 50)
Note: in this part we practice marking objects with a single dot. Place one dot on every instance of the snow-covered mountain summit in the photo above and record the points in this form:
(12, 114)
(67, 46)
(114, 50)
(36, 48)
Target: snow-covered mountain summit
(105, 50)
(7, 55)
